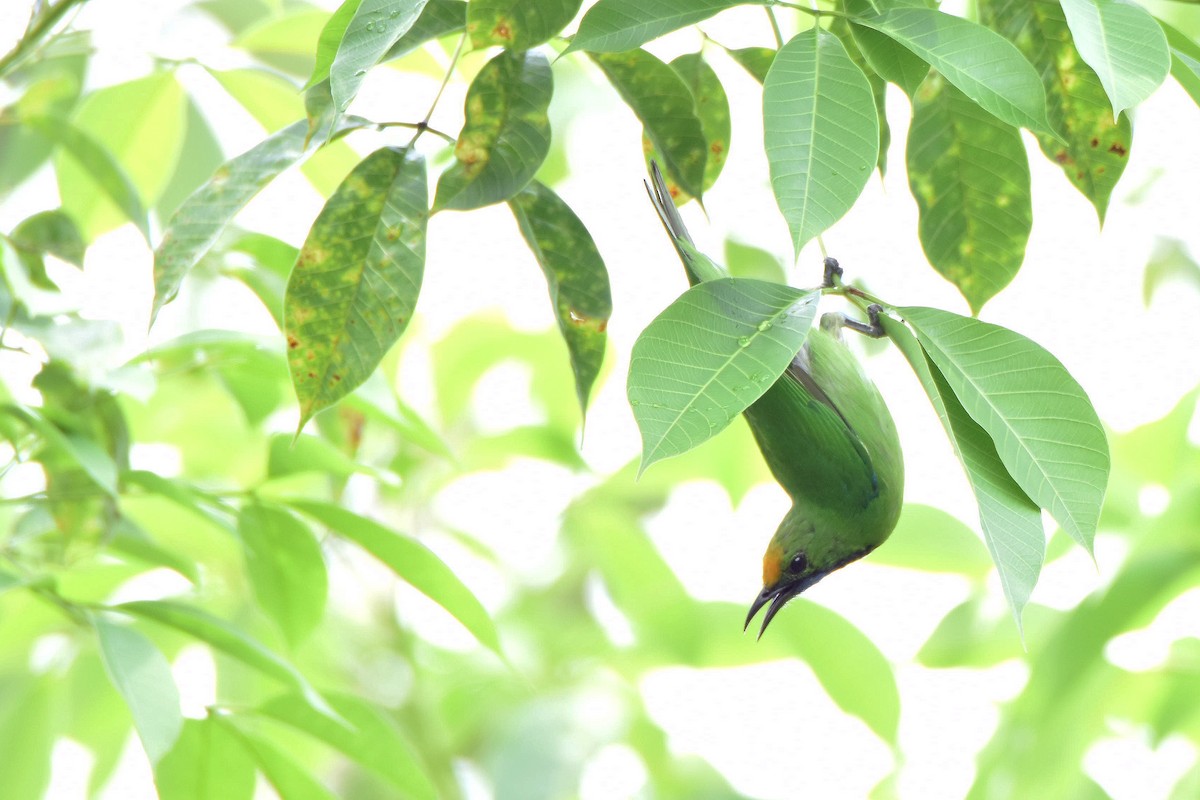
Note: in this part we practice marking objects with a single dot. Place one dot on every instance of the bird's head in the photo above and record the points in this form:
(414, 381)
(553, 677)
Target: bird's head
(795, 559)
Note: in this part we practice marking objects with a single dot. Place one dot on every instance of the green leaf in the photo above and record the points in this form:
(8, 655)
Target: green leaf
(891, 60)
(517, 24)
(979, 61)
(197, 224)
(611, 26)
(1122, 43)
(1185, 60)
(91, 157)
(438, 18)
(929, 539)
(664, 104)
(126, 537)
(143, 677)
(506, 135)
(412, 561)
(1170, 261)
(969, 175)
(708, 356)
(330, 39)
(287, 777)
(371, 32)
(755, 60)
(50, 232)
(286, 569)
(1094, 147)
(1011, 522)
(355, 284)
(207, 763)
(712, 108)
(1044, 427)
(374, 741)
(841, 28)
(87, 453)
(747, 261)
(229, 640)
(575, 274)
(30, 709)
(821, 132)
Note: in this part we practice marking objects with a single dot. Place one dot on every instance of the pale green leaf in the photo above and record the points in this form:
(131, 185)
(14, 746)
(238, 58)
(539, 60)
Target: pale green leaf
(286, 776)
(143, 677)
(87, 453)
(517, 24)
(709, 355)
(1185, 60)
(355, 284)
(821, 132)
(929, 539)
(207, 763)
(330, 39)
(1044, 427)
(894, 62)
(286, 569)
(1123, 44)
(370, 33)
(612, 26)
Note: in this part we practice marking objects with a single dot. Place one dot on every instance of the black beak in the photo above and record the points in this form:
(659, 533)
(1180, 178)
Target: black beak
(778, 596)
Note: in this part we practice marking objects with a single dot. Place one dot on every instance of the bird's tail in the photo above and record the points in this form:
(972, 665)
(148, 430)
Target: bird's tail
(697, 265)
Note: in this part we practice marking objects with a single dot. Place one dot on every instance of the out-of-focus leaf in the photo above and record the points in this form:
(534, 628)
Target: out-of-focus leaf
(611, 26)
(131, 540)
(143, 677)
(179, 494)
(370, 33)
(1185, 60)
(983, 64)
(712, 108)
(506, 135)
(438, 18)
(355, 284)
(968, 173)
(708, 356)
(272, 261)
(821, 132)
(86, 452)
(1044, 427)
(285, 41)
(374, 743)
(1122, 43)
(575, 274)
(412, 561)
(929, 539)
(969, 637)
(308, 454)
(287, 777)
(50, 232)
(207, 763)
(286, 569)
(1094, 147)
(28, 728)
(330, 39)
(1170, 261)
(755, 60)
(517, 24)
(663, 102)
(747, 261)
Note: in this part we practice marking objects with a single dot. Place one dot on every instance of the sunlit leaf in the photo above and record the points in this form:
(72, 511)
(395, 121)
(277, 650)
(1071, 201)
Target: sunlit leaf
(1123, 44)
(517, 24)
(712, 109)
(970, 177)
(128, 538)
(927, 538)
(575, 274)
(84, 451)
(286, 569)
(207, 763)
(506, 135)
(143, 677)
(47, 232)
(355, 284)
(1044, 427)
(1185, 60)
(747, 261)
(755, 60)
(412, 561)
(667, 110)
(29, 714)
(843, 30)
(821, 132)
(984, 65)
(285, 41)
(286, 776)
(375, 26)
(330, 40)
(611, 26)
(708, 356)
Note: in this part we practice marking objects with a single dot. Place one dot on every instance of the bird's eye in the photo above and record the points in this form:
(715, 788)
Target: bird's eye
(798, 563)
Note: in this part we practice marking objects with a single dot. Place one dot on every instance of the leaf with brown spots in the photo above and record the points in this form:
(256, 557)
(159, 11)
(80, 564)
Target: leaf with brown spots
(712, 108)
(506, 134)
(356, 280)
(969, 175)
(1076, 103)
(662, 101)
(576, 275)
(517, 24)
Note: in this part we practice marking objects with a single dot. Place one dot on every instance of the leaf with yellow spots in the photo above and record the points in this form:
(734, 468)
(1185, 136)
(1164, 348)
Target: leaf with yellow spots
(969, 175)
(664, 104)
(356, 280)
(712, 108)
(506, 134)
(517, 24)
(576, 275)
(1096, 147)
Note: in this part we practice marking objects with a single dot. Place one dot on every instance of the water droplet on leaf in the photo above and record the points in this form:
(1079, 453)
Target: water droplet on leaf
(744, 341)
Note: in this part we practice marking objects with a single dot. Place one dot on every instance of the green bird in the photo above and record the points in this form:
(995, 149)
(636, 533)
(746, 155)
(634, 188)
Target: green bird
(827, 437)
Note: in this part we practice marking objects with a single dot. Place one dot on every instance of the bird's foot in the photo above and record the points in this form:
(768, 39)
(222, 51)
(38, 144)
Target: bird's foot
(833, 271)
(871, 328)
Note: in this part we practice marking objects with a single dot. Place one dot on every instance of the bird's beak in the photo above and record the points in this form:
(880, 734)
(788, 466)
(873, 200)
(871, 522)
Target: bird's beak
(778, 596)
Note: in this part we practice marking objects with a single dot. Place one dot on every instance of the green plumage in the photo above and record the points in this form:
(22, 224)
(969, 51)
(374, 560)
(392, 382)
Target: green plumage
(829, 440)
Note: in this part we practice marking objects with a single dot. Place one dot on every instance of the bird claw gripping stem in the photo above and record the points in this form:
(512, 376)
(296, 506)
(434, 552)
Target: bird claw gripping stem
(832, 279)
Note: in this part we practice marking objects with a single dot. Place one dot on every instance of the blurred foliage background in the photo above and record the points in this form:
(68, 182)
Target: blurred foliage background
(436, 590)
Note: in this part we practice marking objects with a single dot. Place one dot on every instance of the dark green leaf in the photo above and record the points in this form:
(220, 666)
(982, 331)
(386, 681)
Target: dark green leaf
(667, 110)
(821, 132)
(575, 275)
(843, 30)
(708, 356)
(207, 763)
(1044, 427)
(438, 18)
(611, 26)
(969, 175)
(330, 40)
(143, 677)
(355, 283)
(712, 108)
(412, 561)
(517, 24)
(1122, 43)
(506, 135)
(894, 62)
(286, 569)
(371, 32)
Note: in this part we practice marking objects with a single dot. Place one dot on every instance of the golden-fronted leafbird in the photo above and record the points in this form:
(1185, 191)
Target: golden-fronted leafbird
(827, 437)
